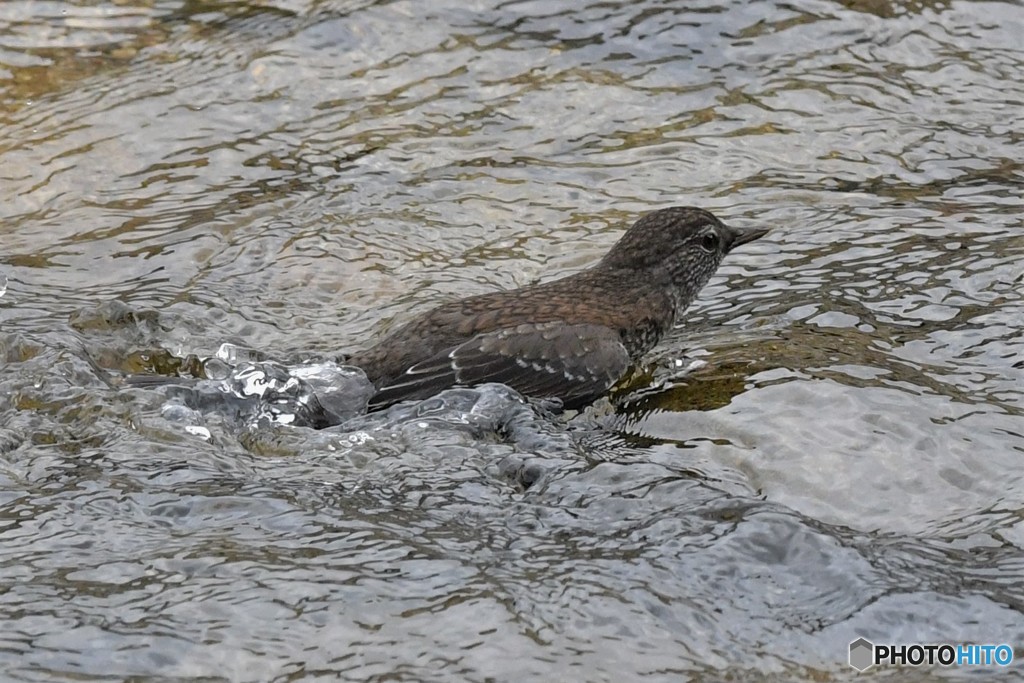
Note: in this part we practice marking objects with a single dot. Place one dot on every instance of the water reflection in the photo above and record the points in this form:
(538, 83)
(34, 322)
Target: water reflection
(828, 448)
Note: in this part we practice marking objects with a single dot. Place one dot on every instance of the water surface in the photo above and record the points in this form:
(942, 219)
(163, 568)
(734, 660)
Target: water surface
(295, 176)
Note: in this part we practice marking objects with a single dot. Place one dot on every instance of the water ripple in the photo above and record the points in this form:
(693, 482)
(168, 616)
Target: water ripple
(828, 447)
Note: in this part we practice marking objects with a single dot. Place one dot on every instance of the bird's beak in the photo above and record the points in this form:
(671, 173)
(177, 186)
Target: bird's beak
(744, 236)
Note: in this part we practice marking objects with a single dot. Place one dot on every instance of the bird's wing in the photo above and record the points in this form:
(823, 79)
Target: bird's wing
(576, 363)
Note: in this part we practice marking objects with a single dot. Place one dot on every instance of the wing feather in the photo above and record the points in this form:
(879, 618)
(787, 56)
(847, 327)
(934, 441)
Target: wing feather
(576, 363)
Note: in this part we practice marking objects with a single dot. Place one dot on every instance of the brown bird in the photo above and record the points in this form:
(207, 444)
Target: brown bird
(571, 338)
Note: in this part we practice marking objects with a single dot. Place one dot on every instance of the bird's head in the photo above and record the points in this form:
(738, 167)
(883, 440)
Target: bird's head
(681, 246)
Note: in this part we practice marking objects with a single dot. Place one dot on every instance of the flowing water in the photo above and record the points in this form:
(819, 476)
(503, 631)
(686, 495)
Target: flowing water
(829, 447)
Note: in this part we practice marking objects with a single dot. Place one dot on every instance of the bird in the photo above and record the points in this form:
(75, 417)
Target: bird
(571, 338)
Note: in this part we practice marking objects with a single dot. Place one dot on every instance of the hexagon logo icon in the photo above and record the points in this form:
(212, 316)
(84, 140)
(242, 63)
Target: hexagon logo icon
(862, 653)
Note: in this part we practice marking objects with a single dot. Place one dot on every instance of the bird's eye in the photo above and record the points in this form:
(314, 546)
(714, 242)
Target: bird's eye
(709, 242)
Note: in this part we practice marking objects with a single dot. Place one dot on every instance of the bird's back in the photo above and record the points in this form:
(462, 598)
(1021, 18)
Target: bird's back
(591, 310)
